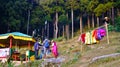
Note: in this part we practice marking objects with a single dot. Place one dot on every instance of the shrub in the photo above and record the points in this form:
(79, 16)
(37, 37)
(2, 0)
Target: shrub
(111, 28)
(117, 24)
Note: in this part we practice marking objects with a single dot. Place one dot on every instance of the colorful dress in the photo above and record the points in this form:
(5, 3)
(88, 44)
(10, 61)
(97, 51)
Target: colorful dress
(54, 49)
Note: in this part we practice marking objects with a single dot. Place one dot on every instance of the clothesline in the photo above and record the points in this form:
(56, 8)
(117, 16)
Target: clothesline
(100, 29)
(106, 27)
(102, 26)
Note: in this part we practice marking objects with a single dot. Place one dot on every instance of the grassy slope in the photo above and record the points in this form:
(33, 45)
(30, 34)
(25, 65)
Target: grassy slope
(71, 50)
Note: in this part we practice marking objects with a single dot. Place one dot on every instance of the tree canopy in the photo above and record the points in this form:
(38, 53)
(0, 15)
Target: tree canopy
(14, 13)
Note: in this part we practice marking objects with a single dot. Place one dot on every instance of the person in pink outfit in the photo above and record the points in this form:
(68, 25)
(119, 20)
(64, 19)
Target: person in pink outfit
(54, 49)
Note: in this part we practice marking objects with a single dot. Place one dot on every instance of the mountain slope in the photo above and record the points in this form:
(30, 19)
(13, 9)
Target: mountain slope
(71, 49)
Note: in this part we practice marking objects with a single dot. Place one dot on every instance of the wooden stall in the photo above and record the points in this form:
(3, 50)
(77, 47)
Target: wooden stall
(16, 41)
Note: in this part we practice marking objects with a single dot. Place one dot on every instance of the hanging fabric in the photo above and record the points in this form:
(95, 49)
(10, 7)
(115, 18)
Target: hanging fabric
(93, 36)
(94, 33)
(88, 38)
(102, 32)
(82, 38)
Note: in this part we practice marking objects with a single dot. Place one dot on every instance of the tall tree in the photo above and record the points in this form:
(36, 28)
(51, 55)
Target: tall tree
(82, 7)
(63, 21)
(37, 20)
(47, 7)
(16, 11)
(66, 8)
(98, 11)
(91, 6)
(57, 7)
(72, 4)
(117, 3)
(102, 8)
(85, 6)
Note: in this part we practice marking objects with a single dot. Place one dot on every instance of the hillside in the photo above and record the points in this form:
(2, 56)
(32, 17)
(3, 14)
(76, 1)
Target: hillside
(71, 50)
(74, 57)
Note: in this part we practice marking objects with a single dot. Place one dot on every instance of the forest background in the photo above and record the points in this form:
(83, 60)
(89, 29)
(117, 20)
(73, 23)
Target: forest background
(57, 18)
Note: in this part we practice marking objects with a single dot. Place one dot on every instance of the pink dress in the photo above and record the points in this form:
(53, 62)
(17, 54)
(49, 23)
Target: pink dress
(54, 49)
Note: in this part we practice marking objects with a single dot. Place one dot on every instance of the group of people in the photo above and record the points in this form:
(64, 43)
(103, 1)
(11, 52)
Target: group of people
(46, 48)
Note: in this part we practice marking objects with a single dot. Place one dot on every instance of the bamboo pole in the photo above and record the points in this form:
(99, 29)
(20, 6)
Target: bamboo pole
(106, 26)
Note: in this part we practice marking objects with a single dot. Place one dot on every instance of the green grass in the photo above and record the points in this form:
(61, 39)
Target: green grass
(77, 55)
(36, 63)
(75, 58)
(118, 50)
(88, 53)
(103, 61)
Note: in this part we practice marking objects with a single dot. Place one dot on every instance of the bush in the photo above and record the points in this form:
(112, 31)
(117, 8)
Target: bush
(111, 28)
(116, 27)
(117, 24)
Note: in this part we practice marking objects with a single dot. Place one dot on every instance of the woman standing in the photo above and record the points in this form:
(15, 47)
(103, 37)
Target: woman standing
(54, 49)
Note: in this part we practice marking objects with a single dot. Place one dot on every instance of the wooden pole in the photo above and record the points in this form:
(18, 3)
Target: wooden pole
(81, 44)
(106, 25)
(29, 47)
(81, 47)
(10, 42)
(16, 46)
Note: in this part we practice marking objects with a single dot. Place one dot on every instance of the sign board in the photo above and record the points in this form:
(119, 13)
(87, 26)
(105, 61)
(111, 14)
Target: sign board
(4, 52)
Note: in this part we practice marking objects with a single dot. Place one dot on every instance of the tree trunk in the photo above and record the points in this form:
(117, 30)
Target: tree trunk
(54, 30)
(48, 30)
(93, 25)
(56, 24)
(103, 16)
(43, 34)
(88, 22)
(59, 32)
(67, 31)
(81, 23)
(97, 21)
(118, 12)
(63, 32)
(113, 15)
(110, 15)
(72, 23)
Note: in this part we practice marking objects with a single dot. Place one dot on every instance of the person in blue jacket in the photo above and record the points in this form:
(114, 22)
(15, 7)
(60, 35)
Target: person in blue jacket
(46, 47)
(36, 48)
